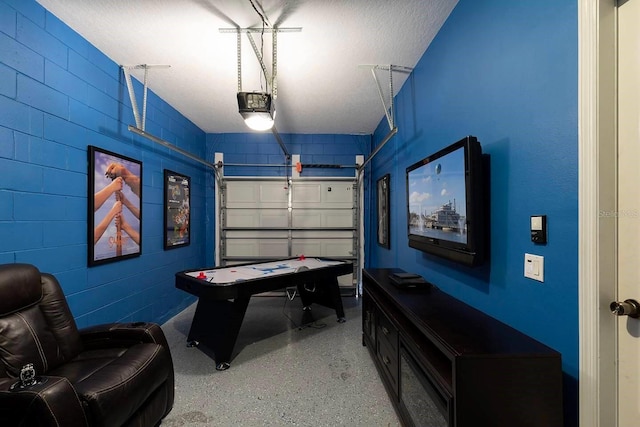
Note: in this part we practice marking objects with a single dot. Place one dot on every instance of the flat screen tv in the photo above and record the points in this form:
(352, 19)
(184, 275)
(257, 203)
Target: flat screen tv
(446, 203)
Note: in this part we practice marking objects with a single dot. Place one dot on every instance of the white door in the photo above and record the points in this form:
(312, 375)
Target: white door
(629, 209)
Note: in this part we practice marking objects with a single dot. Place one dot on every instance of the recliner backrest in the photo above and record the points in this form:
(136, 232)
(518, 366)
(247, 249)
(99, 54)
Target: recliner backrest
(36, 325)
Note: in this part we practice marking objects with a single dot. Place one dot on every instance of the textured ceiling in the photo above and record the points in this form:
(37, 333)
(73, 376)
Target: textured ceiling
(322, 86)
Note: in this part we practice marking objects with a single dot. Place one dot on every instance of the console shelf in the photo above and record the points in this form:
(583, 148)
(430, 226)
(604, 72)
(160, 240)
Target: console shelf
(445, 363)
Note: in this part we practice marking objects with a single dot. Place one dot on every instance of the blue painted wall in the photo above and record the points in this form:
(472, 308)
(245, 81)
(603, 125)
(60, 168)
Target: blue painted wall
(505, 72)
(59, 94)
(263, 149)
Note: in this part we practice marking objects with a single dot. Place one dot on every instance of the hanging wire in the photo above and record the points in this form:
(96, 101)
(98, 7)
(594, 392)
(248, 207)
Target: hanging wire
(263, 19)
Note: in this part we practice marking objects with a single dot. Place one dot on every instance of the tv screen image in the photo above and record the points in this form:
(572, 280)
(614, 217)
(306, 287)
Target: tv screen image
(446, 203)
(437, 198)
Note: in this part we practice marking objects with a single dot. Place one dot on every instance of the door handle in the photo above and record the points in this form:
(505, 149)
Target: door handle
(629, 307)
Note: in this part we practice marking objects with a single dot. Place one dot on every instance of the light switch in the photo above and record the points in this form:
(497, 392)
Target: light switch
(534, 267)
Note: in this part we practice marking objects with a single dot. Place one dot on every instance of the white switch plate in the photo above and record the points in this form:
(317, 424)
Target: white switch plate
(534, 267)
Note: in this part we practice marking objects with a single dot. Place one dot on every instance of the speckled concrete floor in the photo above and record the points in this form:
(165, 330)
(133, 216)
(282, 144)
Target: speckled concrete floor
(281, 375)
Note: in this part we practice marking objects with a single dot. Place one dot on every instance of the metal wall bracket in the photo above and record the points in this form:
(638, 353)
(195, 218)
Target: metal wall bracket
(140, 121)
(388, 108)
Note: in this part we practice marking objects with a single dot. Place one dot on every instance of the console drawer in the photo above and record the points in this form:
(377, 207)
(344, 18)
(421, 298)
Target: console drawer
(387, 333)
(388, 358)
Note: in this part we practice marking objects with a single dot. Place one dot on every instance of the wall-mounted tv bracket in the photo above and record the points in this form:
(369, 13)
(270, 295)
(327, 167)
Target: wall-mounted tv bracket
(388, 109)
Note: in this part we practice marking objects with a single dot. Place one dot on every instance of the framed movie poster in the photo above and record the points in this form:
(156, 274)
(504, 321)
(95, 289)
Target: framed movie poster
(383, 211)
(177, 210)
(115, 207)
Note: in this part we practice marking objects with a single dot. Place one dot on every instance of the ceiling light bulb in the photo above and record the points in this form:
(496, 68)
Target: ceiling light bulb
(259, 121)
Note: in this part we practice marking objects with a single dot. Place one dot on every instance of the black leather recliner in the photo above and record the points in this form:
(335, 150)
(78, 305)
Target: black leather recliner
(52, 374)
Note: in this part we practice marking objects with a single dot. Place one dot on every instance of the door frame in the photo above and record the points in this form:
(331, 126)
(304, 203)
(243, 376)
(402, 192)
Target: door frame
(597, 204)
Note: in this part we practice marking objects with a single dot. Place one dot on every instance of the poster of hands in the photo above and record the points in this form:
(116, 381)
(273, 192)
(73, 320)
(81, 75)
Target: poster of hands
(115, 204)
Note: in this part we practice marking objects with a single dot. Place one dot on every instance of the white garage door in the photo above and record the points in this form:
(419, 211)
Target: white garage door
(272, 218)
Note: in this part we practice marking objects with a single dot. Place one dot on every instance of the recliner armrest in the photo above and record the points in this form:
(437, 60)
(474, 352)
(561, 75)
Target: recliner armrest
(122, 335)
(52, 402)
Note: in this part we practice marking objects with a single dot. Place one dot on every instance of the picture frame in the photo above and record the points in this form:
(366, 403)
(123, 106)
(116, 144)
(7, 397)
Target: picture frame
(114, 214)
(383, 211)
(177, 210)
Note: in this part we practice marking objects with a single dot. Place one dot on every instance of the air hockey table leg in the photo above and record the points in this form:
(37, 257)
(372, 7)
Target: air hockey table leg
(325, 292)
(216, 324)
(223, 366)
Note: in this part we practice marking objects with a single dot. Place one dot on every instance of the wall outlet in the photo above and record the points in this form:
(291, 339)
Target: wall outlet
(534, 267)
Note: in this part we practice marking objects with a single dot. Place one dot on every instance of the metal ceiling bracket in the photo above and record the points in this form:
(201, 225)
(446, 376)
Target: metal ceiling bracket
(140, 121)
(239, 59)
(272, 80)
(388, 109)
(261, 62)
(261, 30)
(274, 65)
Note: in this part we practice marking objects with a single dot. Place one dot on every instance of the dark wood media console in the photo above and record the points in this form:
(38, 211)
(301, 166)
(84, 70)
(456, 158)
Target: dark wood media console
(444, 363)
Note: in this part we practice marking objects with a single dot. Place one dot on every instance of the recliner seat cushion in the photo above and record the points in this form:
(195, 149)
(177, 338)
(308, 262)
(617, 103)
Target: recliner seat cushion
(114, 384)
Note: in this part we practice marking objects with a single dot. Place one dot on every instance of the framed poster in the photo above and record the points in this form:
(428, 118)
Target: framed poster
(383, 211)
(177, 210)
(114, 208)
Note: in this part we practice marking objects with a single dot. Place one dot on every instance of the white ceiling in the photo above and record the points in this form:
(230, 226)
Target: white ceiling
(322, 86)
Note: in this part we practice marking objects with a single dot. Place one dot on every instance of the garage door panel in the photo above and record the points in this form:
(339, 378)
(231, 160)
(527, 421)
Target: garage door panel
(339, 219)
(257, 248)
(256, 218)
(242, 219)
(323, 218)
(251, 194)
(322, 195)
(274, 192)
(308, 193)
(273, 219)
(346, 280)
(306, 219)
(338, 194)
(255, 235)
(342, 247)
(329, 249)
(322, 234)
(241, 194)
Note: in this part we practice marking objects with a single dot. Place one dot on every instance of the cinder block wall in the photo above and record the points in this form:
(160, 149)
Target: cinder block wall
(59, 94)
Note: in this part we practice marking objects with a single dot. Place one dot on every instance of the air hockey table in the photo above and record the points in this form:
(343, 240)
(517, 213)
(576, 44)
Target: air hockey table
(224, 293)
